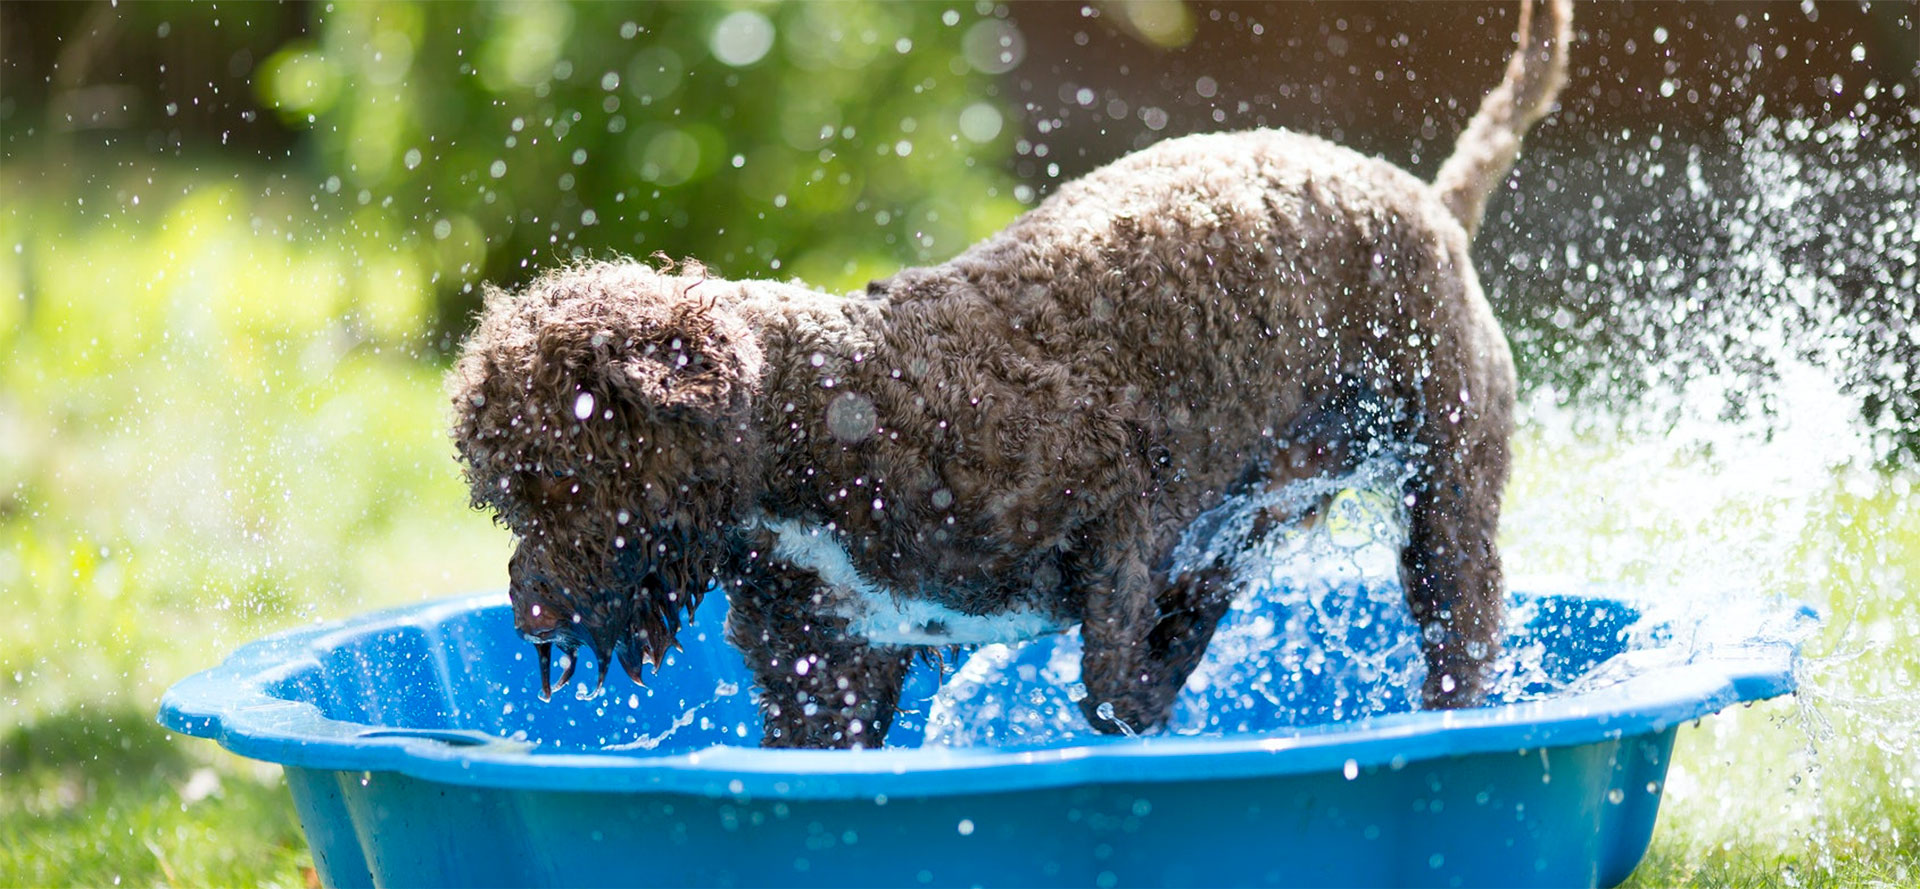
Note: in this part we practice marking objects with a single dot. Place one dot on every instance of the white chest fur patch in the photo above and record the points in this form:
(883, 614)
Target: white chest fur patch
(888, 617)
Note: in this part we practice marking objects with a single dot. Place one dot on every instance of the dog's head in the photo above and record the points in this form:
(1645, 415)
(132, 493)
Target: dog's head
(603, 415)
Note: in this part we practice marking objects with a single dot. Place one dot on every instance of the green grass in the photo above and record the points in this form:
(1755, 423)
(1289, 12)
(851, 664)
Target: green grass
(99, 798)
(212, 427)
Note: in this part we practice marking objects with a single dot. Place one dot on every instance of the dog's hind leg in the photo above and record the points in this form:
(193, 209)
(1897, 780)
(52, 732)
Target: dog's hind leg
(1327, 440)
(1142, 644)
(1451, 564)
(1190, 610)
(819, 686)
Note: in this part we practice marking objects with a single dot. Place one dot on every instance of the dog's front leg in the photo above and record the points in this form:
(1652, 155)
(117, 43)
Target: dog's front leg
(819, 687)
(843, 694)
(1117, 663)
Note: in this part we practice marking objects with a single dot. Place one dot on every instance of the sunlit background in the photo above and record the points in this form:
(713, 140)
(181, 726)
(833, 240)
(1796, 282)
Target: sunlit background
(239, 242)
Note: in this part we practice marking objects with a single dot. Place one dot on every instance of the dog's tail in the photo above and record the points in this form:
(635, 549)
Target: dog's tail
(1486, 150)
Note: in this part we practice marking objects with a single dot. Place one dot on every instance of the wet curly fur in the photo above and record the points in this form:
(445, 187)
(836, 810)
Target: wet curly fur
(1022, 431)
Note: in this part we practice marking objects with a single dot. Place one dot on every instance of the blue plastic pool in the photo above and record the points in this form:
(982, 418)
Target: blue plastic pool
(418, 752)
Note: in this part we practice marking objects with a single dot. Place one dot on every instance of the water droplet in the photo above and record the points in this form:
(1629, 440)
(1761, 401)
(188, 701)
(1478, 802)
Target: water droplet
(980, 122)
(994, 46)
(851, 418)
(742, 38)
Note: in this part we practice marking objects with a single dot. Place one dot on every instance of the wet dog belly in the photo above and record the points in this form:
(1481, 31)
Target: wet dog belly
(885, 616)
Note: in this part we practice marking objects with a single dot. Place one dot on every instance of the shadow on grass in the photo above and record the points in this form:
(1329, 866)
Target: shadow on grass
(104, 797)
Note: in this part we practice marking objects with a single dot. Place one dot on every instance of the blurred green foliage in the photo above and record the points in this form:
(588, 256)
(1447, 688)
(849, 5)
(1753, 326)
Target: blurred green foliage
(829, 141)
(205, 430)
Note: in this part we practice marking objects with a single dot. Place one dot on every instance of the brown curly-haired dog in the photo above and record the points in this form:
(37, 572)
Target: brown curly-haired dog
(1012, 442)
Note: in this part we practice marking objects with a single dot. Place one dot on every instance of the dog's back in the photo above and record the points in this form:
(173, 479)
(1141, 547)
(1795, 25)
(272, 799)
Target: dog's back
(1202, 294)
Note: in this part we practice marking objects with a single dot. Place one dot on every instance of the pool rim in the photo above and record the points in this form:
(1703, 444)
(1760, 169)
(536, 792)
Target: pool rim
(229, 704)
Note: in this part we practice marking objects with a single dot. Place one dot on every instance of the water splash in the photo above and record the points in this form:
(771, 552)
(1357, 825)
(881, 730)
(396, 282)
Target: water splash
(1738, 394)
(1318, 634)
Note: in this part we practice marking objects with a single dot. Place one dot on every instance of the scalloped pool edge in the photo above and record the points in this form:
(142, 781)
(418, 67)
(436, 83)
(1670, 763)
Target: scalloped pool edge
(229, 705)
